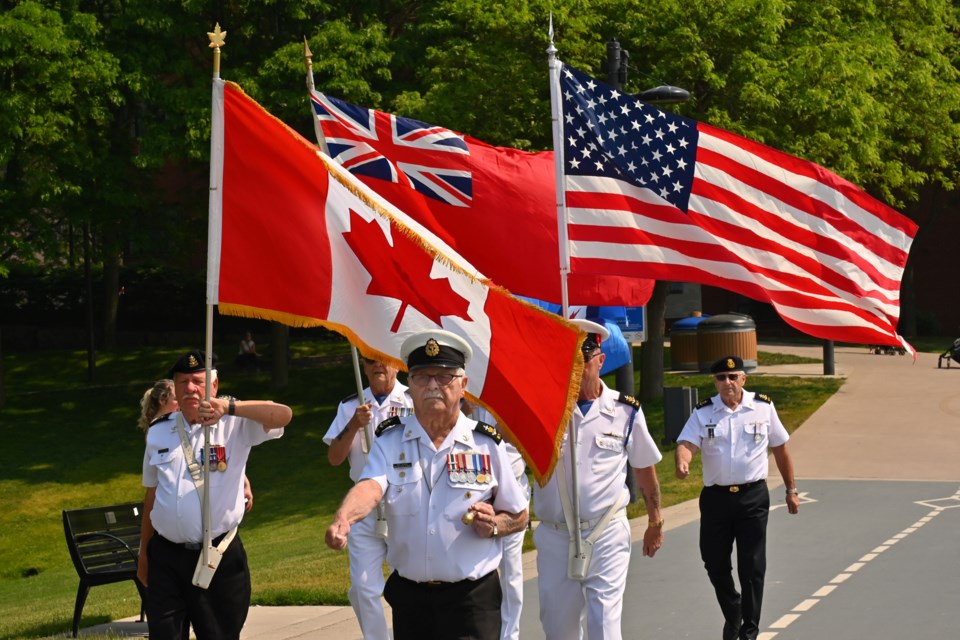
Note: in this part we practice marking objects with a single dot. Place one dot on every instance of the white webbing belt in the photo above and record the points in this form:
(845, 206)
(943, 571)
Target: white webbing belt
(202, 575)
(601, 523)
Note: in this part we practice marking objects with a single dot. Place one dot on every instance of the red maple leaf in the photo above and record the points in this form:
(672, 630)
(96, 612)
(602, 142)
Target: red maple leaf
(402, 271)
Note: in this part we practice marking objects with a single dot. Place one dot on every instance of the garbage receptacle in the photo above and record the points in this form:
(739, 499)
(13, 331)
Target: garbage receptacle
(678, 404)
(727, 334)
(683, 343)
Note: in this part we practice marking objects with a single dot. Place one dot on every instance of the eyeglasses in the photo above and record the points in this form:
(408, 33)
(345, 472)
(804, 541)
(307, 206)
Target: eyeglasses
(423, 379)
(732, 377)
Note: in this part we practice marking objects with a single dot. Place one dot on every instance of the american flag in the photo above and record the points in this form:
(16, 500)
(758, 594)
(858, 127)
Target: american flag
(393, 148)
(656, 195)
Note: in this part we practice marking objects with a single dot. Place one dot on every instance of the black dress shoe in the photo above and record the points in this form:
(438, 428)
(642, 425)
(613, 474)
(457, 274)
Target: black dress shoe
(730, 632)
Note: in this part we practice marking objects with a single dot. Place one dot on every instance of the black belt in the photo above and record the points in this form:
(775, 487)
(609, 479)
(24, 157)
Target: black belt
(736, 488)
(440, 585)
(190, 546)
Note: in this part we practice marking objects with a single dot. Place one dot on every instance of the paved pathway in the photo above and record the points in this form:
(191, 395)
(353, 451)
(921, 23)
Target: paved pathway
(893, 420)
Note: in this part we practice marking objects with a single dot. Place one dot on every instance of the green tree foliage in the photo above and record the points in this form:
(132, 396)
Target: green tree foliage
(105, 116)
(57, 89)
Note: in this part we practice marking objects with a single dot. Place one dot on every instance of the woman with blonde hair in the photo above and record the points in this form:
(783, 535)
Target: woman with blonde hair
(159, 400)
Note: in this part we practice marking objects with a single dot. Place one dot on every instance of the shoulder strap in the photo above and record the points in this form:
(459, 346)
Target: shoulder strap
(188, 452)
(704, 403)
(386, 425)
(762, 397)
(488, 430)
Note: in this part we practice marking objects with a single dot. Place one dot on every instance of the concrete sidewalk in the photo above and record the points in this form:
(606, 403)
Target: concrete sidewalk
(893, 419)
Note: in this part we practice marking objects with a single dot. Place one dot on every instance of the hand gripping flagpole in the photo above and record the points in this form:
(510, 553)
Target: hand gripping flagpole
(573, 519)
(217, 38)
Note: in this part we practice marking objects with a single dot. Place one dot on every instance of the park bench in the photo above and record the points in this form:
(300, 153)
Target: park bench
(104, 543)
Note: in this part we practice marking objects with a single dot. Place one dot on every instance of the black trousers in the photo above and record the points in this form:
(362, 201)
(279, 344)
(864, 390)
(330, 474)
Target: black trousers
(726, 517)
(173, 603)
(465, 610)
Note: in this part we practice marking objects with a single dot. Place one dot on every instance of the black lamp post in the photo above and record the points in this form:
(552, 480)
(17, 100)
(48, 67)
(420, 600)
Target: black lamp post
(616, 67)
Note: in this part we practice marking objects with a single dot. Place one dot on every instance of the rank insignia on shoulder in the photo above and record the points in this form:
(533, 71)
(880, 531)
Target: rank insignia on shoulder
(630, 400)
(484, 428)
(762, 397)
(704, 403)
(386, 425)
(352, 396)
(163, 418)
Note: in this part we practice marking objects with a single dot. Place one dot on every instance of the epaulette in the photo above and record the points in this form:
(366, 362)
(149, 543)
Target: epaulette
(162, 418)
(704, 403)
(386, 425)
(762, 397)
(630, 400)
(352, 396)
(486, 429)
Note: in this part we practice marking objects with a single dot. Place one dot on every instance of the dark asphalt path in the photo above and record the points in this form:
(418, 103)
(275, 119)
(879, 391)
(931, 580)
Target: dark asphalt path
(862, 559)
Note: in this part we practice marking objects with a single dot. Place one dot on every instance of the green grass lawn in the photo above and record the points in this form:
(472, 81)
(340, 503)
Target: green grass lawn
(67, 444)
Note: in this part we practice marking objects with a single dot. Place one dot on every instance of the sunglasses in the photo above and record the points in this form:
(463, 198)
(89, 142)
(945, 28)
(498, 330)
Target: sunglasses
(423, 379)
(732, 377)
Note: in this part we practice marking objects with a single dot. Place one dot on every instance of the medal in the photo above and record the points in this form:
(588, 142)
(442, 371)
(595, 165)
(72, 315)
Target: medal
(471, 469)
(221, 466)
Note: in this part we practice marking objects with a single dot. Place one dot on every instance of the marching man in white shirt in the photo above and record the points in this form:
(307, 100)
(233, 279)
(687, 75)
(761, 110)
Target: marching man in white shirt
(733, 430)
(350, 438)
(611, 431)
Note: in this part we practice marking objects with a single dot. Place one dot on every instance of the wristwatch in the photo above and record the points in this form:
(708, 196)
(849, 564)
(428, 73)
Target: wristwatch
(232, 406)
(655, 524)
(496, 531)
(793, 492)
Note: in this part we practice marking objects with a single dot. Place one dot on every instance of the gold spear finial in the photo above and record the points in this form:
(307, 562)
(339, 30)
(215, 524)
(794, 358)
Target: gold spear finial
(217, 38)
(308, 60)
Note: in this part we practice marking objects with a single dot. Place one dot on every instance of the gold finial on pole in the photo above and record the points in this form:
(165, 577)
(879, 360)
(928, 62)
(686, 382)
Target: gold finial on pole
(217, 38)
(308, 59)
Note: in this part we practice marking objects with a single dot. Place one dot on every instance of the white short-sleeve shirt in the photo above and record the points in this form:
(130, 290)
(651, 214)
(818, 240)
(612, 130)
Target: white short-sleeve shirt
(398, 398)
(176, 513)
(733, 443)
(609, 435)
(424, 499)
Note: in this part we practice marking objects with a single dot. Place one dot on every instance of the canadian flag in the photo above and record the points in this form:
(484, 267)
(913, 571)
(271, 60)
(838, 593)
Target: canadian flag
(297, 239)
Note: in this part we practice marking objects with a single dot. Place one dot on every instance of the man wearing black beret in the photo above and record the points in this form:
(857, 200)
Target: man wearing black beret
(733, 431)
(172, 527)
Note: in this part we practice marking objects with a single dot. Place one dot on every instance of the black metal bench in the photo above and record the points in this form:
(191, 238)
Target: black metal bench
(104, 543)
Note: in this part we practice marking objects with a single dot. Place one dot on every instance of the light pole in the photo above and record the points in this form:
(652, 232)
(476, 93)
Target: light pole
(616, 67)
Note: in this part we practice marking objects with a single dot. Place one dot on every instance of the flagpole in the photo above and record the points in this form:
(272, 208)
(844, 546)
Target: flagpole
(563, 240)
(311, 87)
(365, 442)
(308, 60)
(217, 38)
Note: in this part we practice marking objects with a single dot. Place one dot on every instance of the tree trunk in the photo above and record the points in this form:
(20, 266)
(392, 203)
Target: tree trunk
(280, 352)
(111, 288)
(651, 353)
(3, 394)
(88, 286)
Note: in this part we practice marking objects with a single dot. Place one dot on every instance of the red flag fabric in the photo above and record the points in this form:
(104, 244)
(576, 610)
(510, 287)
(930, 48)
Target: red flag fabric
(496, 206)
(655, 195)
(302, 242)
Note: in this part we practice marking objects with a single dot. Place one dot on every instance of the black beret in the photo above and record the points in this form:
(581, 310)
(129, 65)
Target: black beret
(192, 362)
(727, 363)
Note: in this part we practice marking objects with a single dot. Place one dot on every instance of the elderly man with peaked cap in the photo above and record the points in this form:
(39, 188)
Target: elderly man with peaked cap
(171, 532)
(611, 432)
(733, 431)
(449, 495)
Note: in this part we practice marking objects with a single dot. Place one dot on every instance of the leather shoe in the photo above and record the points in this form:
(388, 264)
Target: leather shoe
(730, 632)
